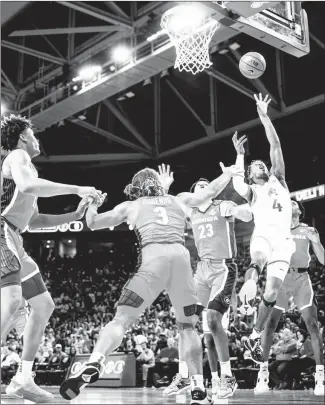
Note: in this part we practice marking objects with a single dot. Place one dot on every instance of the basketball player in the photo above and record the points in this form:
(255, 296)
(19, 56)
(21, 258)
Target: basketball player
(164, 264)
(20, 276)
(271, 242)
(213, 224)
(297, 284)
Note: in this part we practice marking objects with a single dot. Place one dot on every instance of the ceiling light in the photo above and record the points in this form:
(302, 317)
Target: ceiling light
(89, 72)
(121, 53)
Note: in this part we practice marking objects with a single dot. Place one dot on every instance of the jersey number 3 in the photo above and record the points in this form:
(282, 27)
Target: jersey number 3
(206, 231)
(277, 206)
(162, 215)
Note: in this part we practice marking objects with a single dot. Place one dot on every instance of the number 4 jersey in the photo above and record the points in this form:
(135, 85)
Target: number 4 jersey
(214, 231)
(159, 220)
(271, 208)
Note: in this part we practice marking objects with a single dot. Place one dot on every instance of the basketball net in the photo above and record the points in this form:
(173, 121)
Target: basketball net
(191, 34)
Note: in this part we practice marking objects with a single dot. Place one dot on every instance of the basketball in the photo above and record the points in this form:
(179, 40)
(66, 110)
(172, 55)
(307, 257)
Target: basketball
(252, 65)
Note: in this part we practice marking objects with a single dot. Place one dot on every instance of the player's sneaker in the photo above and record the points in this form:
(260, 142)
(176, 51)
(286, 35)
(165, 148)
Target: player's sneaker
(215, 385)
(178, 385)
(88, 374)
(228, 386)
(254, 346)
(262, 384)
(319, 383)
(200, 397)
(28, 390)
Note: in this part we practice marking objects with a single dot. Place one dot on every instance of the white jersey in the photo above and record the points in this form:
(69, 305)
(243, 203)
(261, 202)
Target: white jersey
(271, 208)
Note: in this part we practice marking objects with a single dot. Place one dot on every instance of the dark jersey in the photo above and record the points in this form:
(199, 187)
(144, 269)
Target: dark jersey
(160, 220)
(214, 233)
(301, 256)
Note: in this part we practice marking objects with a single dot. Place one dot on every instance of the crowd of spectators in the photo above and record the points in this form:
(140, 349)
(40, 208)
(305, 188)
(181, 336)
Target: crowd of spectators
(86, 288)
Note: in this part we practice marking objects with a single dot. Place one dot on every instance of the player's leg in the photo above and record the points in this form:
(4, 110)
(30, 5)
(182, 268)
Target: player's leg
(277, 269)
(306, 302)
(260, 251)
(35, 292)
(19, 321)
(138, 293)
(10, 277)
(181, 290)
(224, 279)
(212, 354)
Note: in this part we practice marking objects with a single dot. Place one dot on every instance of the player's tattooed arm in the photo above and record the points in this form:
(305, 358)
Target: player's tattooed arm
(276, 156)
(213, 189)
(20, 167)
(107, 219)
(316, 244)
(46, 220)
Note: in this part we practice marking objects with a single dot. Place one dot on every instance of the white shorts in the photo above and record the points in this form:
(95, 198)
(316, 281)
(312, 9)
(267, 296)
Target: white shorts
(278, 250)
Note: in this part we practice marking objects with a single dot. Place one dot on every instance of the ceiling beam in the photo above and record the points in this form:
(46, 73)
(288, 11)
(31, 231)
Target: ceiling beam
(33, 52)
(67, 30)
(116, 9)
(97, 13)
(127, 124)
(230, 82)
(109, 136)
(8, 81)
(303, 105)
(97, 157)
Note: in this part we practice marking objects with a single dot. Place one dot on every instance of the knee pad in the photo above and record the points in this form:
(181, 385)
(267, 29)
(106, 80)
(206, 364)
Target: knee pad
(278, 269)
(130, 299)
(268, 303)
(194, 309)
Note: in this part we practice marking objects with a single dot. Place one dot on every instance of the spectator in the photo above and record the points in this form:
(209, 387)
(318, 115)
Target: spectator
(167, 363)
(146, 360)
(9, 361)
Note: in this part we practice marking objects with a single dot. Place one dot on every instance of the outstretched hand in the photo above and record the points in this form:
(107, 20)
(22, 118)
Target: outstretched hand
(239, 143)
(166, 177)
(262, 105)
(232, 170)
(97, 202)
(82, 207)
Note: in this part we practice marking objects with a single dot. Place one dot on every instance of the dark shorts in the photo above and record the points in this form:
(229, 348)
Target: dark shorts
(17, 268)
(161, 267)
(215, 282)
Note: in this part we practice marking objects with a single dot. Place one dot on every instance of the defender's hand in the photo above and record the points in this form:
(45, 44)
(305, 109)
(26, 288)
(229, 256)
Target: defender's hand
(232, 170)
(262, 105)
(89, 192)
(239, 143)
(98, 201)
(82, 207)
(166, 177)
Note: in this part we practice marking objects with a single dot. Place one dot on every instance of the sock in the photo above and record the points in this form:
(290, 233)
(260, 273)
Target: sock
(225, 368)
(97, 357)
(320, 368)
(215, 375)
(255, 334)
(182, 369)
(265, 366)
(197, 382)
(25, 370)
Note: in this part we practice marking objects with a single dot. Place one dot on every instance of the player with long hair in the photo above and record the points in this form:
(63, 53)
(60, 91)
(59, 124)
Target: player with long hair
(164, 264)
(297, 285)
(213, 224)
(271, 242)
(20, 275)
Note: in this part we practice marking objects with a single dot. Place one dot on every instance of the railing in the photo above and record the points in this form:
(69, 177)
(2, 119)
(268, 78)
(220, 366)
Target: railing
(140, 53)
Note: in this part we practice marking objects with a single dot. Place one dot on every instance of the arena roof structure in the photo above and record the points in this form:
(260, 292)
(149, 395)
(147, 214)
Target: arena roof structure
(148, 110)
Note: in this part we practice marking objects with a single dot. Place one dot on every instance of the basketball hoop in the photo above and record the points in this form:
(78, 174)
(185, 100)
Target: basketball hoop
(190, 31)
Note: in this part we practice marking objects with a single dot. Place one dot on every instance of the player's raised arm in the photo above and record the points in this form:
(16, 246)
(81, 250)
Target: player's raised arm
(213, 189)
(19, 163)
(316, 244)
(107, 219)
(242, 188)
(166, 177)
(276, 156)
(46, 220)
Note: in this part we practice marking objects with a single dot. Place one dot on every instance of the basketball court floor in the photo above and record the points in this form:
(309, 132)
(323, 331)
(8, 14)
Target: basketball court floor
(149, 396)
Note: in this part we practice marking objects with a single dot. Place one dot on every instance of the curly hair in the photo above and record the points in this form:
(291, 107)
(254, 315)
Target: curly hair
(301, 207)
(12, 127)
(193, 185)
(145, 183)
(249, 169)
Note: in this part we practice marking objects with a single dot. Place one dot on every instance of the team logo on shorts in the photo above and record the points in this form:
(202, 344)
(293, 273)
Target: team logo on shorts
(227, 300)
